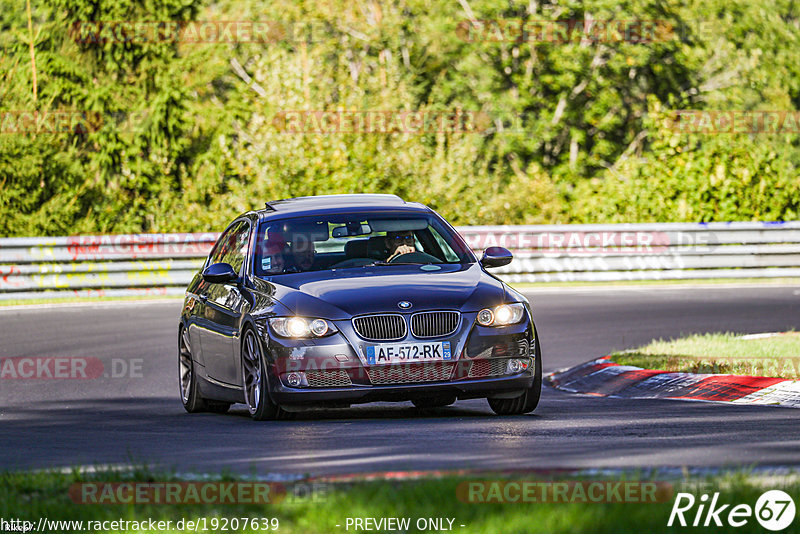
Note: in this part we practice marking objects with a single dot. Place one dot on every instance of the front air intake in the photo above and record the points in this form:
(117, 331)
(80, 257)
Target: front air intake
(383, 327)
(434, 323)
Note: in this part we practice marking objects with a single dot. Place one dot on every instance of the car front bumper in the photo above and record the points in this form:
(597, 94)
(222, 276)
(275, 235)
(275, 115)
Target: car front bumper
(467, 389)
(335, 370)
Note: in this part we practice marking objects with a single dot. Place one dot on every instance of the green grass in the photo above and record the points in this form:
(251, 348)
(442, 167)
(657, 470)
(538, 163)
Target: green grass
(777, 356)
(29, 496)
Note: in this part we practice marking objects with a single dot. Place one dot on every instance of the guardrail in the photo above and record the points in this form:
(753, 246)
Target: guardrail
(100, 266)
(163, 264)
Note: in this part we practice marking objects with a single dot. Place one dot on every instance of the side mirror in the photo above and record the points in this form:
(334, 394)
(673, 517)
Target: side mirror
(219, 273)
(496, 257)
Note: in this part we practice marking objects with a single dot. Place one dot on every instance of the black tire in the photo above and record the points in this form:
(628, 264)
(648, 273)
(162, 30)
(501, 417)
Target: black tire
(528, 401)
(255, 384)
(434, 402)
(187, 379)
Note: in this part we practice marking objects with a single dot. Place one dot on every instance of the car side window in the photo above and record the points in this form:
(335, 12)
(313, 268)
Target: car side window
(232, 246)
(222, 244)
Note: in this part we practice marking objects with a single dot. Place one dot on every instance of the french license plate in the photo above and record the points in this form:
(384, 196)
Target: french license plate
(408, 352)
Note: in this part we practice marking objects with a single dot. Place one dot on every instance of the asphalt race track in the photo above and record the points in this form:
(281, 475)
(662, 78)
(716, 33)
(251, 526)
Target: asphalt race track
(137, 416)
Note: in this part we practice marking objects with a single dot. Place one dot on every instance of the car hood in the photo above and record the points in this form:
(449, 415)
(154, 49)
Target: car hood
(343, 293)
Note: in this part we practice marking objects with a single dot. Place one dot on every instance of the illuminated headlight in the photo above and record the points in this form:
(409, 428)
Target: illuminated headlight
(502, 315)
(298, 327)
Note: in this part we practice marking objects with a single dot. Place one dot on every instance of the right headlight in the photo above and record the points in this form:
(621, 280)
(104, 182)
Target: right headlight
(300, 327)
(502, 315)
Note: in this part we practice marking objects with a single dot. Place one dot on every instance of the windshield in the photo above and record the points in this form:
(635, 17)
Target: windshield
(354, 240)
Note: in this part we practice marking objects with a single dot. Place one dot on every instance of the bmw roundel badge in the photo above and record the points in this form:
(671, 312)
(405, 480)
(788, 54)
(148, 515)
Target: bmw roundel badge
(404, 304)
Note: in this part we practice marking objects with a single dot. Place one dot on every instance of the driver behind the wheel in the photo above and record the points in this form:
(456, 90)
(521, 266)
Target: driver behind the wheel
(398, 243)
(273, 259)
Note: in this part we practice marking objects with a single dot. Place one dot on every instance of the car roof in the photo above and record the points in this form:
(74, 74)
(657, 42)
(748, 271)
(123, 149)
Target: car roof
(325, 204)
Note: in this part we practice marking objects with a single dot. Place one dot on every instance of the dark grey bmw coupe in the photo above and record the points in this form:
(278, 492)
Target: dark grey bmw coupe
(343, 299)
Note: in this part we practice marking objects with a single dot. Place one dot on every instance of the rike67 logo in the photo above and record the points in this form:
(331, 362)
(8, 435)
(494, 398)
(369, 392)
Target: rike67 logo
(774, 510)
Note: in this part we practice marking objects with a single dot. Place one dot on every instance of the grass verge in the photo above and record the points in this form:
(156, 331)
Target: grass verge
(31, 496)
(776, 356)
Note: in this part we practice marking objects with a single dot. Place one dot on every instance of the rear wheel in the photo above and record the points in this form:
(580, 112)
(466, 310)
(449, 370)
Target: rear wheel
(190, 396)
(528, 401)
(254, 374)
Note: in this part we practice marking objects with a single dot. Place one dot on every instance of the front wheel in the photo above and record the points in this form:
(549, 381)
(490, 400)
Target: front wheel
(528, 401)
(254, 375)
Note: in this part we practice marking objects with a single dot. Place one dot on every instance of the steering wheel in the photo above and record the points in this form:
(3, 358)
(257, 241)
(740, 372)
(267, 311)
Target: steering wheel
(415, 257)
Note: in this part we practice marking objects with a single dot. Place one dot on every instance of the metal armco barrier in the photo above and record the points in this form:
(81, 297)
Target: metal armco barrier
(100, 265)
(163, 264)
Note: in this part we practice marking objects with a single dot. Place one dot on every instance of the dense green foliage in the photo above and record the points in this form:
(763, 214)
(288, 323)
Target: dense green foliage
(189, 134)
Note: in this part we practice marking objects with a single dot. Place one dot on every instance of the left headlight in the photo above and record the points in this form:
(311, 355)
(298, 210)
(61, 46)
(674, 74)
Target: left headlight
(502, 315)
(298, 327)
